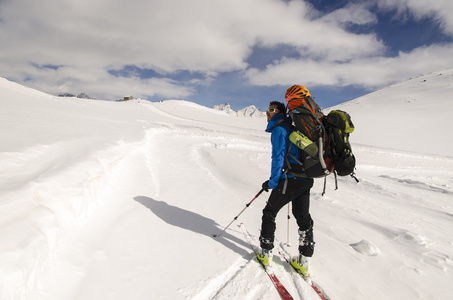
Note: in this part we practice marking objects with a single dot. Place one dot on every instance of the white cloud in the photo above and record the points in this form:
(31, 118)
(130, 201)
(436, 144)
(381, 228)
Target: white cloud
(439, 10)
(168, 35)
(95, 82)
(87, 38)
(351, 14)
(371, 72)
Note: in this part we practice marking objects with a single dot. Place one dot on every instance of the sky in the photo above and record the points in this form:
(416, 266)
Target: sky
(244, 52)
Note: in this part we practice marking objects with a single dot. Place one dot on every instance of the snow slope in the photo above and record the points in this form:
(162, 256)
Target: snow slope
(413, 115)
(118, 200)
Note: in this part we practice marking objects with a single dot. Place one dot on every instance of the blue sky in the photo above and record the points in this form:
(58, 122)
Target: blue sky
(245, 52)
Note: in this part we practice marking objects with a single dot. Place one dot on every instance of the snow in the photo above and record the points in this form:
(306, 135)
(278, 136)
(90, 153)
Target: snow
(119, 200)
(249, 111)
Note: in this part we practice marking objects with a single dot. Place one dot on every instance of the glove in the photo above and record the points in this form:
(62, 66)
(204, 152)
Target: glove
(265, 185)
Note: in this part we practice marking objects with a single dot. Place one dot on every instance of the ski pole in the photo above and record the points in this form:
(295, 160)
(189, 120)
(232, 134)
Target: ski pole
(287, 231)
(235, 218)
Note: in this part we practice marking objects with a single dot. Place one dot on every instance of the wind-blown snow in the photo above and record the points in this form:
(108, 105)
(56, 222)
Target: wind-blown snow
(119, 200)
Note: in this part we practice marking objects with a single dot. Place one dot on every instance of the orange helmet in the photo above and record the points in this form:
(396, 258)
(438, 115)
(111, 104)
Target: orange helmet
(296, 92)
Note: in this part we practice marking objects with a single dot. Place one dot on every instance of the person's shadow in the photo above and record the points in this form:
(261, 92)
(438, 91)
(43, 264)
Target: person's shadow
(191, 221)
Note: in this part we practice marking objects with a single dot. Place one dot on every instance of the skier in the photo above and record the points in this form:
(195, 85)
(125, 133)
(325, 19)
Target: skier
(285, 188)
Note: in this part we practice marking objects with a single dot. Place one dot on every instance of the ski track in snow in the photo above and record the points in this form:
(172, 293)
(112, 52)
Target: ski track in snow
(101, 172)
(245, 279)
(85, 192)
(92, 177)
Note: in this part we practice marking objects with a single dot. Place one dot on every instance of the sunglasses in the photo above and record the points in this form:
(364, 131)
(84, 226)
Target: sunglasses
(272, 110)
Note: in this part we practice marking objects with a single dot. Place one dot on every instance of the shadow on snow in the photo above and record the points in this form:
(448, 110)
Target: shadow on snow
(191, 221)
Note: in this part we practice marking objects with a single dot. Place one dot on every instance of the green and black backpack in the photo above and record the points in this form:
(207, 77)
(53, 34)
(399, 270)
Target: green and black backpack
(323, 142)
(338, 126)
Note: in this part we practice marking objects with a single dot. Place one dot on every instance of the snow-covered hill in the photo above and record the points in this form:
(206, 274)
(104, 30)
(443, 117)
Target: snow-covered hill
(413, 115)
(118, 200)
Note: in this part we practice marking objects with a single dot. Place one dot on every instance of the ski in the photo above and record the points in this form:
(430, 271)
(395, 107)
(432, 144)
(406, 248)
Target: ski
(319, 291)
(283, 292)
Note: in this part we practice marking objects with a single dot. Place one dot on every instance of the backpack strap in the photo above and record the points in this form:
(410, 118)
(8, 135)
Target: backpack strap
(282, 122)
(321, 153)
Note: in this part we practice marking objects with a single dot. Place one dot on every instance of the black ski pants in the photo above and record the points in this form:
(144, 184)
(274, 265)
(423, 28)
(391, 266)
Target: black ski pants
(297, 192)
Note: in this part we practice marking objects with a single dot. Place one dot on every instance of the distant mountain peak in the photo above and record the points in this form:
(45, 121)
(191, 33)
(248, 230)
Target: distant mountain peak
(224, 107)
(249, 111)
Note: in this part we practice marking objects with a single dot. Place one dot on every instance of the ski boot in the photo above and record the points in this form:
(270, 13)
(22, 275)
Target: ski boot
(265, 257)
(306, 249)
(302, 264)
(306, 242)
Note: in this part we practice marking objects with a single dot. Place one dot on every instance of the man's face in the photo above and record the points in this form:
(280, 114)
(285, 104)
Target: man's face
(271, 111)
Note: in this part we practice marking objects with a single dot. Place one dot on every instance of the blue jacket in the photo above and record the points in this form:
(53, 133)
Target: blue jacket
(280, 144)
